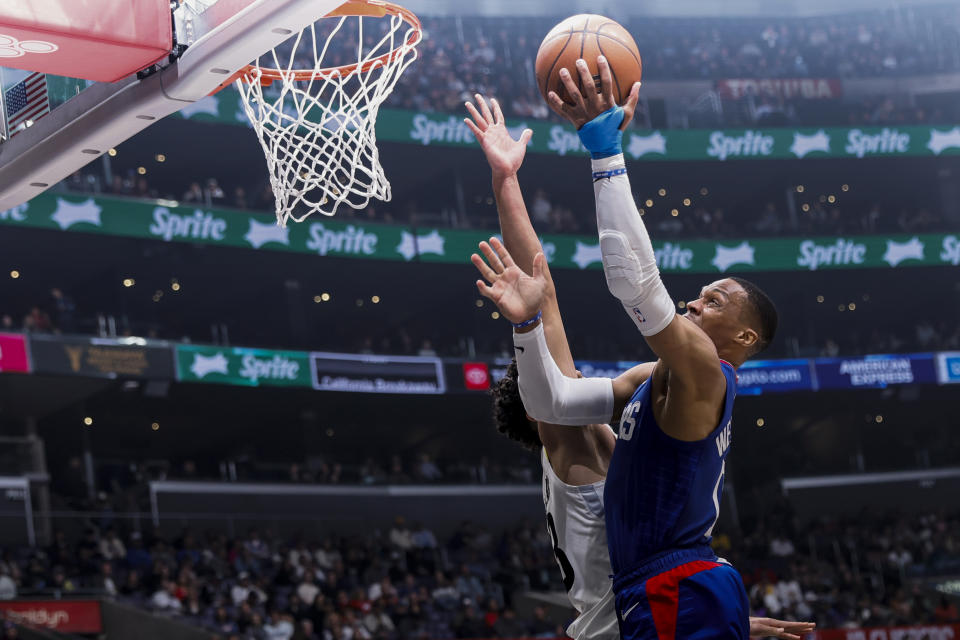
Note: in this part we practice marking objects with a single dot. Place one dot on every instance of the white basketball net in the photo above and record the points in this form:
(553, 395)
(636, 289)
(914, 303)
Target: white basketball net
(318, 133)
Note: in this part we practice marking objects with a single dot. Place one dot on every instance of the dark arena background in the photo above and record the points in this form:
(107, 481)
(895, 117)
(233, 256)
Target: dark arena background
(214, 428)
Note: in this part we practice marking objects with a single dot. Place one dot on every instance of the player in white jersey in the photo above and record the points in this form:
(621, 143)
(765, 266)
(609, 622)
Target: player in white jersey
(575, 521)
(574, 459)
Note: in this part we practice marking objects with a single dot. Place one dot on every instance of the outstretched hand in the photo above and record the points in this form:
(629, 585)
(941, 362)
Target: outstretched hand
(783, 629)
(517, 295)
(504, 154)
(587, 107)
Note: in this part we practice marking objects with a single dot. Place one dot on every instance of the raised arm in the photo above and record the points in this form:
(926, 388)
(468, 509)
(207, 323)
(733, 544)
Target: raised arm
(696, 382)
(548, 395)
(505, 156)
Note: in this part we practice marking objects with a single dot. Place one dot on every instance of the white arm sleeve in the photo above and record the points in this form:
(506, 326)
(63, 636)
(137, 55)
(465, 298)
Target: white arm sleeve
(549, 396)
(629, 262)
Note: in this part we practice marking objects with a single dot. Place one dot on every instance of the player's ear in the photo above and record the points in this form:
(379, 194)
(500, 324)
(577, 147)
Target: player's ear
(747, 338)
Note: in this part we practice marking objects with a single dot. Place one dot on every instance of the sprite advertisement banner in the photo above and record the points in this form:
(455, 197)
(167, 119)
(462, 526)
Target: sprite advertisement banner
(428, 128)
(241, 366)
(161, 220)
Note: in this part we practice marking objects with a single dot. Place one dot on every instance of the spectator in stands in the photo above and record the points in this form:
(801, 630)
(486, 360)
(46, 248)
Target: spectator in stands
(165, 598)
(397, 475)
(508, 626)
(945, 612)
(444, 594)
(37, 321)
(326, 556)
(239, 198)
(104, 582)
(371, 473)
(427, 470)
(423, 537)
(88, 549)
(64, 311)
(468, 585)
(8, 586)
(308, 590)
(214, 193)
(541, 627)
(426, 349)
(540, 209)
(400, 535)
(781, 547)
(468, 624)
(377, 622)
(770, 222)
(255, 546)
(222, 623)
(194, 194)
(118, 187)
(240, 591)
(131, 588)
(900, 557)
(143, 190)
(278, 626)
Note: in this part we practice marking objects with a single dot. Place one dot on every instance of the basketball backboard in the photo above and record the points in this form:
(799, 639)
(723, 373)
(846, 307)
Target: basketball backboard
(88, 118)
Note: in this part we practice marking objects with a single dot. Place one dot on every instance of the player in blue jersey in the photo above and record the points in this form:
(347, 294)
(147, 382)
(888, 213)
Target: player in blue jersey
(666, 474)
(574, 460)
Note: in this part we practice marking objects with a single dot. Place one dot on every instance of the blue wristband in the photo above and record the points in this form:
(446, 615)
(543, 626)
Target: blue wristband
(527, 323)
(600, 175)
(602, 136)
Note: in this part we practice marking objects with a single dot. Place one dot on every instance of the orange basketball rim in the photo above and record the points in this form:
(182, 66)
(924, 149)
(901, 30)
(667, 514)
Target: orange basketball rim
(359, 8)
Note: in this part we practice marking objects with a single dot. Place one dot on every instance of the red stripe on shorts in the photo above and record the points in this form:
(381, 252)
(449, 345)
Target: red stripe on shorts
(663, 595)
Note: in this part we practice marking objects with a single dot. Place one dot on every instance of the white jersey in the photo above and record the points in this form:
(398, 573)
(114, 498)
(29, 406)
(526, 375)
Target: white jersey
(577, 528)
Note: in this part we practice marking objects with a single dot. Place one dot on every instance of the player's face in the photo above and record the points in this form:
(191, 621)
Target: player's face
(718, 311)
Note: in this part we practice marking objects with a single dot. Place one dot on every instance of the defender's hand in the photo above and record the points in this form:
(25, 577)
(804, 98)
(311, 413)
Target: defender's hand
(517, 295)
(586, 108)
(783, 629)
(504, 154)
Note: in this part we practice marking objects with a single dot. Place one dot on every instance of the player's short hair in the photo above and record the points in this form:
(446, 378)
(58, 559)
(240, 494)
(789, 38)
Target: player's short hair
(509, 415)
(764, 311)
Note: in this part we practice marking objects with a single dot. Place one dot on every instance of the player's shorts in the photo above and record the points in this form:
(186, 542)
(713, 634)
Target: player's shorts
(682, 595)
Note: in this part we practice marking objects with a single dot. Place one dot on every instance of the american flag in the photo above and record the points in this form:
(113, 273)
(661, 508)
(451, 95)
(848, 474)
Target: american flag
(26, 100)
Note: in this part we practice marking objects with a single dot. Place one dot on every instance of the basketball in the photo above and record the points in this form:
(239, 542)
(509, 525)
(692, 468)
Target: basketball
(588, 36)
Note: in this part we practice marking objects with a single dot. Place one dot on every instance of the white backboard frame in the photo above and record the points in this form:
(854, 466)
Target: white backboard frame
(223, 39)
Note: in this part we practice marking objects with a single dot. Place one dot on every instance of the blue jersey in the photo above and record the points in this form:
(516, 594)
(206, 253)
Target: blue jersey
(663, 494)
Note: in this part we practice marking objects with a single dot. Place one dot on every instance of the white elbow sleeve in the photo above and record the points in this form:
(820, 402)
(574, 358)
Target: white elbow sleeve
(629, 261)
(548, 395)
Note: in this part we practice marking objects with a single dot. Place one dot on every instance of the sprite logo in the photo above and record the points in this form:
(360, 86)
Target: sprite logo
(352, 240)
(751, 143)
(564, 141)
(200, 226)
(674, 256)
(248, 367)
(276, 368)
(842, 252)
(17, 213)
(951, 250)
(887, 141)
(451, 130)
